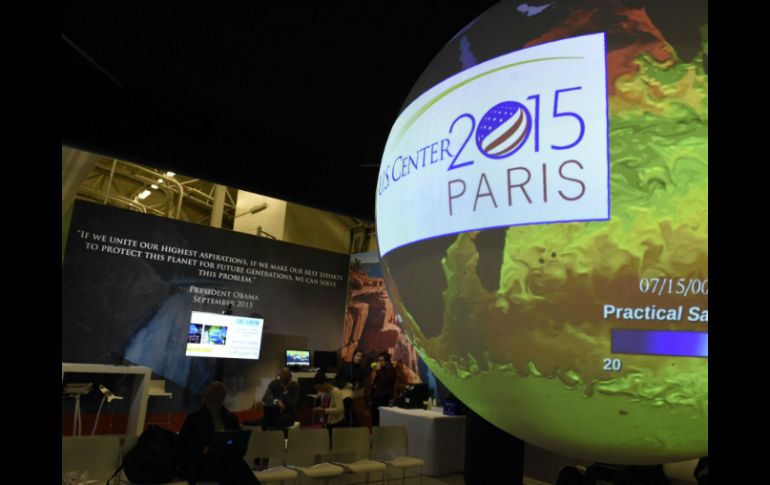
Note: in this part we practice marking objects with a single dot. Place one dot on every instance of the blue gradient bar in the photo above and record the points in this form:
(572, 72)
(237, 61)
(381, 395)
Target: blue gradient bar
(660, 342)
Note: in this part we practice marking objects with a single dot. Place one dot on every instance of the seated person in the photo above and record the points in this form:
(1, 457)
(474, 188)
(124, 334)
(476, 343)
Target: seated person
(196, 463)
(332, 409)
(280, 402)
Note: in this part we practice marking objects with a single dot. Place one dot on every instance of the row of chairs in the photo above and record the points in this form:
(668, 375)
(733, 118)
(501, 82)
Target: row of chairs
(306, 453)
(353, 451)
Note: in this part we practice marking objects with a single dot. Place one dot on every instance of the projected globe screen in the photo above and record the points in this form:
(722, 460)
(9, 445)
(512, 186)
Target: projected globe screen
(542, 219)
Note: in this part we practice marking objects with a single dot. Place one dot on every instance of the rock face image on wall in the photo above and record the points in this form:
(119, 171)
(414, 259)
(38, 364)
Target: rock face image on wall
(371, 323)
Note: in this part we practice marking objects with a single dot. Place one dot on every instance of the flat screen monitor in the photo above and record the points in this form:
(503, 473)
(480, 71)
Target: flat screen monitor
(297, 358)
(325, 359)
(225, 336)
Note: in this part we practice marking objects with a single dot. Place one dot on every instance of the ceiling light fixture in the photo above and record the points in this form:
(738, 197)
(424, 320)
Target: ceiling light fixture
(259, 207)
(144, 194)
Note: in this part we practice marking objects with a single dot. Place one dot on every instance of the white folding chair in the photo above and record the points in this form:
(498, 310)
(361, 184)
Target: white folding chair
(351, 450)
(307, 452)
(393, 442)
(270, 445)
(95, 456)
(681, 472)
(157, 389)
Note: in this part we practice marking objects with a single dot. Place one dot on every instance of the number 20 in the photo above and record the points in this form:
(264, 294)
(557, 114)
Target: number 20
(612, 364)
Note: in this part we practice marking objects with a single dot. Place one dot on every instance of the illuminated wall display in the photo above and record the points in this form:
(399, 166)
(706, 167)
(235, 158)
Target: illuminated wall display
(225, 336)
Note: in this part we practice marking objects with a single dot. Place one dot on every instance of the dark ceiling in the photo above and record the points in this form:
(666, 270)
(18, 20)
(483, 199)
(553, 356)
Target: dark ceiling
(289, 99)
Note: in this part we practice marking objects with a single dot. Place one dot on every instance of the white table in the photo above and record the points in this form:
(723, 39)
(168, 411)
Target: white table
(138, 398)
(436, 438)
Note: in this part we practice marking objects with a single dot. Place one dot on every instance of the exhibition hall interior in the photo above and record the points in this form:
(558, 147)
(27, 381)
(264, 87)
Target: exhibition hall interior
(385, 242)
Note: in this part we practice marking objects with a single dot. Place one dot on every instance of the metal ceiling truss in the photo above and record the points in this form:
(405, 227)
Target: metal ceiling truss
(119, 183)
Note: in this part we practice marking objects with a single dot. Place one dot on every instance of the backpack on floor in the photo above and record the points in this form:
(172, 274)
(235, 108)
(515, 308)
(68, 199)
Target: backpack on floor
(154, 458)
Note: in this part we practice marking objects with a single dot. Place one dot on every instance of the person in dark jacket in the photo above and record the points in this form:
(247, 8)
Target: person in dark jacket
(196, 463)
(350, 380)
(280, 402)
(351, 374)
(383, 385)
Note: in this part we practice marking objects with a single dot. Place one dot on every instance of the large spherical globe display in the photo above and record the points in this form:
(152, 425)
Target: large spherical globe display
(542, 216)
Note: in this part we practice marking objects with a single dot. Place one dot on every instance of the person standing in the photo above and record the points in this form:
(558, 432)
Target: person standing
(383, 385)
(349, 380)
(351, 374)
